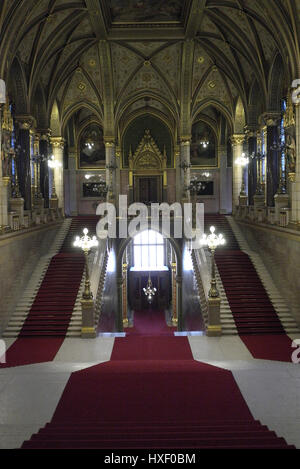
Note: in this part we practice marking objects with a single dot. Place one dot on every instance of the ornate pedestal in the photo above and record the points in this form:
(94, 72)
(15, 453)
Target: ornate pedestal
(17, 205)
(281, 201)
(88, 330)
(214, 328)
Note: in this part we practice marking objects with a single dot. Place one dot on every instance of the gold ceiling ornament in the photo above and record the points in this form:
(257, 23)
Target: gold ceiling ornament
(7, 120)
(92, 62)
(81, 86)
(147, 63)
(212, 84)
(147, 155)
(289, 115)
(201, 59)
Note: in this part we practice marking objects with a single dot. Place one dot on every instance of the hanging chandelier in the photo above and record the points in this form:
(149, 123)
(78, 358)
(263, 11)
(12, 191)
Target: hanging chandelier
(149, 291)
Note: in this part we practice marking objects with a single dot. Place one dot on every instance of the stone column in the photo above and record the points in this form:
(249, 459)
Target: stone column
(237, 171)
(252, 171)
(271, 120)
(296, 184)
(111, 169)
(44, 171)
(73, 207)
(25, 123)
(174, 294)
(3, 186)
(222, 155)
(58, 153)
(185, 162)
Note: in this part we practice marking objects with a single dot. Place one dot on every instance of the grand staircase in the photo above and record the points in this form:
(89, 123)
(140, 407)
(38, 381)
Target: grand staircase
(53, 307)
(252, 305)
(160, 435)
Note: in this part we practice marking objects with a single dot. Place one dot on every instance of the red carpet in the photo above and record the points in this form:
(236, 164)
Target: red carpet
(48, 320)
(252, 310)
(152, 394)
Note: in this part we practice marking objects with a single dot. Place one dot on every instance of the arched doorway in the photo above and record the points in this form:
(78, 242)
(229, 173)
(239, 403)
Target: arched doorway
(150, 255)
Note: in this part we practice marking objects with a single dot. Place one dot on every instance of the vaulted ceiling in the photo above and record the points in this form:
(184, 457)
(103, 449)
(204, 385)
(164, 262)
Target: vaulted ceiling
(116, 58)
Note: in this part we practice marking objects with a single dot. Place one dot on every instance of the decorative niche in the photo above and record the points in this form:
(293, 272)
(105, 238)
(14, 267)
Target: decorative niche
(203, 146)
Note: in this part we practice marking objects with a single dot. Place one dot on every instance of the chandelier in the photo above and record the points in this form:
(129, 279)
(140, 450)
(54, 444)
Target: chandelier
(149, 291)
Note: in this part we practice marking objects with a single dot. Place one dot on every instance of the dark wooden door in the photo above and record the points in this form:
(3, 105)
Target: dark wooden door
(138, 280)
(147, 189)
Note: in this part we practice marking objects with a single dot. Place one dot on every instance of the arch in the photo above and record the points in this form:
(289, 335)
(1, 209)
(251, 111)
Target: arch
(68, 113)
(39, 108)
(55, 120)
(218, 105)
(276, 83)
(239, 119)
(18, 87)
(125, 242)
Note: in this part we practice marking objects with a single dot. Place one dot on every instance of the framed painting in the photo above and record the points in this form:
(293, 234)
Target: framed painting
(91, 148)
(203, 146)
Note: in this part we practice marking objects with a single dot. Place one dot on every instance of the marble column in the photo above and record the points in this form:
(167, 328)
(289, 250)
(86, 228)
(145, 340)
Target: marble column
(222, 155)
(252, 171)
(3, 186)
(72, 196)
(25, 123)
(58, 153)
(185, 158)
(296, 184)
(44, 169)
(237, 171)
(271, 121)
(111, 169)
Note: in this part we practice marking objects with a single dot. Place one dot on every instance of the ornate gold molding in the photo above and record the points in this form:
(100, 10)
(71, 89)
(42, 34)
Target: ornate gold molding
(147, 155)
(7, 120)
(57, 142)
(289, 116)
(271, 118)
(26, 122)
(237, 139)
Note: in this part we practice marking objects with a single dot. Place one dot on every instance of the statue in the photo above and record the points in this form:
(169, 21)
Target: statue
(7, 155)
(291, 154)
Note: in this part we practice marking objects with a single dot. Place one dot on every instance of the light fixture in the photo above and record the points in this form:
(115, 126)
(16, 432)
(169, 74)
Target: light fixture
(86, 243)
(242, 160)
(88, 176)
(213, 241)
(204, 143)
(149, 290)
(53, 164)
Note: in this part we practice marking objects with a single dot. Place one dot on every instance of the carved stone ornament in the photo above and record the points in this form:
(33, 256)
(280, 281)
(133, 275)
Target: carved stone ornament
(237, 139)
(26, 122)
(57, 142)
(147, 155)
(7, 120)
(289, 116)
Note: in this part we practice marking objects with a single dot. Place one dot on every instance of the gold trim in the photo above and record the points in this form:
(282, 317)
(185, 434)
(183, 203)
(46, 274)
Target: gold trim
(88, 330)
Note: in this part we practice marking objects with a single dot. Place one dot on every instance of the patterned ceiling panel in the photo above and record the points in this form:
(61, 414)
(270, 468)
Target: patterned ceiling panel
(125, 62)
(168, 61)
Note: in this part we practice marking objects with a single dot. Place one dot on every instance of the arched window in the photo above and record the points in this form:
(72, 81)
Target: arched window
(148, 251)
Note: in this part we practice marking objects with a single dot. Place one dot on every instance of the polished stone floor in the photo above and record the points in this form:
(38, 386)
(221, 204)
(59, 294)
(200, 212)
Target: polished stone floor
(29, 394)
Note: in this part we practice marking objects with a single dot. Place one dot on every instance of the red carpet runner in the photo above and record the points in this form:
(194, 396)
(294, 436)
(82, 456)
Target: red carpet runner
(48, 320)
(254, 315)
(152, 394)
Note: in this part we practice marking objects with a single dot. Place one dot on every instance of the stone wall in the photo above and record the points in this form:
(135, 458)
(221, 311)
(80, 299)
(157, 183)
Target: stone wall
(19, 254)
(280, 251)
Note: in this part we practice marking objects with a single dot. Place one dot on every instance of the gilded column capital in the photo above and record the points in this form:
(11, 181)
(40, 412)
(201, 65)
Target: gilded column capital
(26, 122)
(57, 142)
(109, 143)
(237, 139)
(185, 140)
(44, 134)
(250, 131)
(271, 119)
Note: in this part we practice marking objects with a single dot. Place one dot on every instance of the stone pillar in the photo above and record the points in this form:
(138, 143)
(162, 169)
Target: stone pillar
(271, 120)
(180, 320)
(174, 294)
(222, 155)
(3, 188)
(124, 296)
(73, 207)
(25, 123)
(185, 158)
(111, 169)
(44, 171)
(119, 318)
(252, 171)
(296, 184)
(58, 153)
(237, 171)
